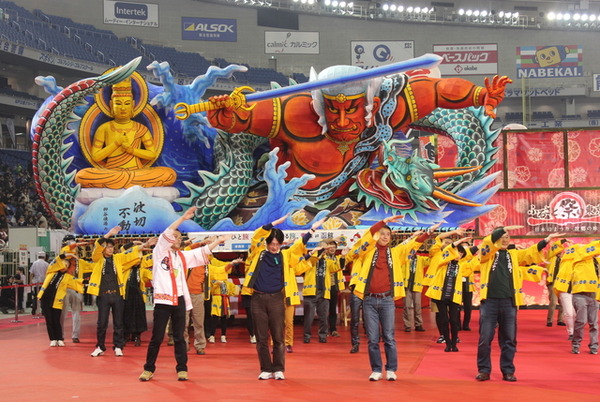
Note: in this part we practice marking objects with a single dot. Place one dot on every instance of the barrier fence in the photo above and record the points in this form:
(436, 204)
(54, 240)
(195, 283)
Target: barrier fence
(15, 288)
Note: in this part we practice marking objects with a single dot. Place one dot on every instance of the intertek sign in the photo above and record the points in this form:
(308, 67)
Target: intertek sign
(126, 13)
(131, 10)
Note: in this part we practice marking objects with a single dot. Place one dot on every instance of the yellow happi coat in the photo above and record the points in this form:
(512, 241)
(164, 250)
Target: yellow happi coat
(332, 265)
(439, 267)
(291, 258)
(577, 269)
(66, 282)
(121, 262)
(362, 258)
(519, 259)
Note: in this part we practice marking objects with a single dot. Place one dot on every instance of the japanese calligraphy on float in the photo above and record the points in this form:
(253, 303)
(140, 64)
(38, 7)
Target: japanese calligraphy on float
(117, 150)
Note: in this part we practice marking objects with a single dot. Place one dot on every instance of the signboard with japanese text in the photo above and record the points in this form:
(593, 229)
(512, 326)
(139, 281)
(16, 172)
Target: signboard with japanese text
(240, 241)
(369, 54)
(211, 29)
(292, 42)
(552, 61)
(134, 14)
(468, 59)
(596, 82)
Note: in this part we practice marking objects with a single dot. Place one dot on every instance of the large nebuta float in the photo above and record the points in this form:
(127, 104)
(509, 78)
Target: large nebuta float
(117, 150)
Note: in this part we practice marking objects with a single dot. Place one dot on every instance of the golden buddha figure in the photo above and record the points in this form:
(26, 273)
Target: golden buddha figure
(122, 149)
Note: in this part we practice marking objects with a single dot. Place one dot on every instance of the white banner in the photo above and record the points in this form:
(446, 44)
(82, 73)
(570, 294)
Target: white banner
(135, 14)
(369, 54)
(292, 42)
(240, 241)
(473, 59)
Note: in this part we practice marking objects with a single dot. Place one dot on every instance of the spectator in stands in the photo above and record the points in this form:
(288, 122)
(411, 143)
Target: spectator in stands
(41, 222)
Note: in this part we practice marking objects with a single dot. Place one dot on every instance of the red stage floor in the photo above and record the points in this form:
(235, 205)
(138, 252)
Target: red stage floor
(228, 372)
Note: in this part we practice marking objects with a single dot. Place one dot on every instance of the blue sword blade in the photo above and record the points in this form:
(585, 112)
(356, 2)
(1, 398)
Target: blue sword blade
(425, 61)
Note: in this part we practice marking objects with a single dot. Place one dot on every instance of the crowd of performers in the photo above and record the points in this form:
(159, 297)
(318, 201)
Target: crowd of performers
(190, 285)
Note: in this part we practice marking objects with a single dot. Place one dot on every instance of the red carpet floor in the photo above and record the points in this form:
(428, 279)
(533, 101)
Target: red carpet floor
(228, 372)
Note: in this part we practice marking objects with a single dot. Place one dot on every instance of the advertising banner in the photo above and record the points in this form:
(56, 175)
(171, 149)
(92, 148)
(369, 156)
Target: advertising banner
(596, 82)
(544, 212)
(214, 29)
(369, 54)
(126, 13)
(474, 59)
(553, 61)
(241, 241)
(292, 42)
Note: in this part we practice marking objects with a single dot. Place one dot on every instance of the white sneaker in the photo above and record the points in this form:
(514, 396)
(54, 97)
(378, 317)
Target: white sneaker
(265, 375)
(375, 376)
(53, 343)
(279, 375)
(97, 352)
(253, 339)
(223, 339)
(211, 339)
(60, 343)
(118, 352)
(390, 375)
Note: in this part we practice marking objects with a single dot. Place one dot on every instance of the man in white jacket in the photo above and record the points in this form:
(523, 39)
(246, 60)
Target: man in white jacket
(171, 295)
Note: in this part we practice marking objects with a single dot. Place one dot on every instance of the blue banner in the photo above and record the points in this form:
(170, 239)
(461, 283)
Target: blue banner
(216, 29)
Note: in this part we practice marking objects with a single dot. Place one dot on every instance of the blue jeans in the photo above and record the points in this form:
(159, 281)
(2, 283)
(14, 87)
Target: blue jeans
(380, 312)
(504, 313)
(355, 306)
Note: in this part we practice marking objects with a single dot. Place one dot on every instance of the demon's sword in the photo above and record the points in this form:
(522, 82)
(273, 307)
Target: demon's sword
(237, 99)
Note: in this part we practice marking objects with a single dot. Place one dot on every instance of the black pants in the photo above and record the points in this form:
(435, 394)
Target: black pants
(106, 303)
(247, 303)
(35, 302)
(268, 315)
(53, 322)
(162, 314)
(221, 321)
(208, 322)
(449, 317)
(333, 302)
(467, 305)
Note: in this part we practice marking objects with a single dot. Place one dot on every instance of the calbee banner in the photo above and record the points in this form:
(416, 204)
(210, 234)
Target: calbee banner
(292, 42)
(369, 54)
